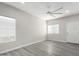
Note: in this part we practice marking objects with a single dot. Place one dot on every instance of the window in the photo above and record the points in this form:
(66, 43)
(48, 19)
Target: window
(7, 29)
(53, 29)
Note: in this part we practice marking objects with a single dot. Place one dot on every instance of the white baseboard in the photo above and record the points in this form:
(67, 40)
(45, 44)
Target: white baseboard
(5, 51)
(57, 40)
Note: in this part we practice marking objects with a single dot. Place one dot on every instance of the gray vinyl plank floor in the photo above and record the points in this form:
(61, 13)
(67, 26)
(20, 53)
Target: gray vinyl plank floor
(46, 48)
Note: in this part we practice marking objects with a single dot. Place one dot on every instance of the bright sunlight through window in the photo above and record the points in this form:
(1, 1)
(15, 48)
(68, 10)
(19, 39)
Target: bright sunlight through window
(53, 29)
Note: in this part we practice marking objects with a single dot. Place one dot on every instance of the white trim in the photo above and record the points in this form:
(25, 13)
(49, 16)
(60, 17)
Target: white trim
(8, 50)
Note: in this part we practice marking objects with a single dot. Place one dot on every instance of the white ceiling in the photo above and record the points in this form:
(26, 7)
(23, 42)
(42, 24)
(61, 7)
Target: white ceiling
(39, 9)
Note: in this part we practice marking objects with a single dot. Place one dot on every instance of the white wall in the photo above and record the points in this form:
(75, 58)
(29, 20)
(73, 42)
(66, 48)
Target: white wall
(29, 29)
(73, 32)
(68, 29)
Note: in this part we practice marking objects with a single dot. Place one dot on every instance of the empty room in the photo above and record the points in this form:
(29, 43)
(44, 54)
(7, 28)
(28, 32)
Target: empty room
(39, 28)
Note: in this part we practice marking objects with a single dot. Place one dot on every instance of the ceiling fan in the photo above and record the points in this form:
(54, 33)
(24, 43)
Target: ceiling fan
(52, 13)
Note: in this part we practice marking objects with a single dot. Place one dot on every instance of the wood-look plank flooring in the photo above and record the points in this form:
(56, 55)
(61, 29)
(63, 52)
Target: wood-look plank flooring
(46, 48)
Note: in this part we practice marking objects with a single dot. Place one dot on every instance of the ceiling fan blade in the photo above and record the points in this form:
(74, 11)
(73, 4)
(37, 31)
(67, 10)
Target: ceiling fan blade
(53, 12)
(52, 15)
(57, 9)
(57, 13)
(49, 12)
